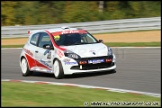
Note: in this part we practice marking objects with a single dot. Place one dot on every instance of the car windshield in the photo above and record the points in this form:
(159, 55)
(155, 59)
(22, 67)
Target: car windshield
(74, 39)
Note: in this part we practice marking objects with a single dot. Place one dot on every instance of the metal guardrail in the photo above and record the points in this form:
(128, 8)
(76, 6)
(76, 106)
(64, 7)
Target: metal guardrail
(93, 27)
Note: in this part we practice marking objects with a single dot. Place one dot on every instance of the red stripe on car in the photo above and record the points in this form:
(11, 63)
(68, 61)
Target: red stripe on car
(53, 42)
(32, 62)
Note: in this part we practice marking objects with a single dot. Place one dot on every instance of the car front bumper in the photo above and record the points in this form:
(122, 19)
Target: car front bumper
(76, 67)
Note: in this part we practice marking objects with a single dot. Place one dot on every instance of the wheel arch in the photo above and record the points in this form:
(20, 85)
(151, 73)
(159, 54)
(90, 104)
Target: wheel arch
(56, 59)
(22, 57)
(26, 60)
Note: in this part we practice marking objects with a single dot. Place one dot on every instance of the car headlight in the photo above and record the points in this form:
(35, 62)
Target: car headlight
(71, 54)
(110, 52)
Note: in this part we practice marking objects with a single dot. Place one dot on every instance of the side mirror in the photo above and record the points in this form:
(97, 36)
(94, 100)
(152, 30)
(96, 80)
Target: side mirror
(100, 41)
(47, 46)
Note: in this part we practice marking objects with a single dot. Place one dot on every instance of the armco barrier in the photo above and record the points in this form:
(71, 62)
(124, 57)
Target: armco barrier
(93, 27)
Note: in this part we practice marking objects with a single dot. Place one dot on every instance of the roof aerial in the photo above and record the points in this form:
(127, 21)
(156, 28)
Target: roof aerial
(65, 27)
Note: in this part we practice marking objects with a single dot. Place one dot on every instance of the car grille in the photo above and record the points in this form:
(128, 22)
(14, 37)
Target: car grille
(93, 66)
(102, 57)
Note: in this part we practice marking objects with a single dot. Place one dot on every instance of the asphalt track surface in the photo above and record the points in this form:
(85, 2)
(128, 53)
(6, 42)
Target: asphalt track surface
(138, 69)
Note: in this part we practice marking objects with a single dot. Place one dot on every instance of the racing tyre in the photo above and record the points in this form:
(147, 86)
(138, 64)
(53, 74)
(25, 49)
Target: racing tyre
(58, 70)
(113, 71)
(25, 68)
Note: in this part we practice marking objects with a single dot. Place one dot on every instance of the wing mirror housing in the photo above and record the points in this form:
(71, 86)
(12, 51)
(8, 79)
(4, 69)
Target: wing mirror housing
(48, 46)
(100, 40)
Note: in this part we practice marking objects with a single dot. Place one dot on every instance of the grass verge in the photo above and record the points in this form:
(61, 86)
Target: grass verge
(111, 44)
(12, 46)
(26, 94)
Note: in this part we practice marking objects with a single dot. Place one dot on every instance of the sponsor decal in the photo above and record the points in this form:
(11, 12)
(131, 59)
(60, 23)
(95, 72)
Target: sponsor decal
(40, 64)
(68, 31)
(49, 71)
(96, 61)
(46, 64)
(28, 52)
(48, 52)
(60, 54)
(70, 63)
(57, 37)
(66, 60)
(49, 55)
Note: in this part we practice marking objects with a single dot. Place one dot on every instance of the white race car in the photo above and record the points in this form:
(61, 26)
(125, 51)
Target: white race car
(63, 51)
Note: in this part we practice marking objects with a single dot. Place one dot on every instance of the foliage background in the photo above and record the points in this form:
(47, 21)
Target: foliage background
(52, 12)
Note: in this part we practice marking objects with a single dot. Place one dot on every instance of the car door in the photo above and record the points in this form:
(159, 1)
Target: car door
(43, 55)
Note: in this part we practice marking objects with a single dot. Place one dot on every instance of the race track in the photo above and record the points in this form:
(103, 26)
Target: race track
(137, 69)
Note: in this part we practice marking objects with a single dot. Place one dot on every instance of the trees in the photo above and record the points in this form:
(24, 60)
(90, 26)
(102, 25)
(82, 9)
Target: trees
(80, 11)
(51, 12)
(8, 13)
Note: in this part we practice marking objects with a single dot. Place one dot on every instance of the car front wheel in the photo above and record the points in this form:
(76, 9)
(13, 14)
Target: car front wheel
(25, 68)
(58, 70)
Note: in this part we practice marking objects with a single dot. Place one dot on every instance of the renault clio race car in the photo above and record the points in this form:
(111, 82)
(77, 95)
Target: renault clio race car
(63, 51)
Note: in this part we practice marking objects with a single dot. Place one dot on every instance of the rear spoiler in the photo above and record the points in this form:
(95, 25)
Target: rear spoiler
(33, 31)
(61, 28)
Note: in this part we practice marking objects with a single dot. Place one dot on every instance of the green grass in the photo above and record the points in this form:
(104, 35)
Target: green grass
(26, 94)
(111, 44)
(12, 46)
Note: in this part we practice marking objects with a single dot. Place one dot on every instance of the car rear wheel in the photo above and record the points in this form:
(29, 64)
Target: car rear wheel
(58, 70)
(25, 68)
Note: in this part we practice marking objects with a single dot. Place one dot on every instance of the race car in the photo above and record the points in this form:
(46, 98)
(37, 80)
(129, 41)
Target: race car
(65, 50)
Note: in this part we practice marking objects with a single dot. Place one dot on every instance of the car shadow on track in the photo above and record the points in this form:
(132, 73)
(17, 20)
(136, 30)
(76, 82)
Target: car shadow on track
(78, 75)
(89, 74)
